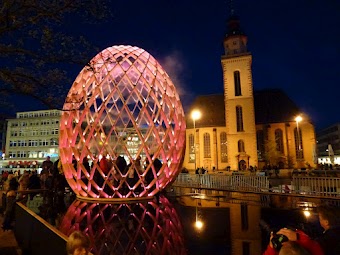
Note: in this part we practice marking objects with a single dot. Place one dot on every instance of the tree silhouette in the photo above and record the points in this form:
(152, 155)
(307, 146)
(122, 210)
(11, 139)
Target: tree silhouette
(35, 49)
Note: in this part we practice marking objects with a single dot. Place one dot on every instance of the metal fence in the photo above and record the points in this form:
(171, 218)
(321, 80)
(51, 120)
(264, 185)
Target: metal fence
(223, 182)
(317, 186)
(301, 185)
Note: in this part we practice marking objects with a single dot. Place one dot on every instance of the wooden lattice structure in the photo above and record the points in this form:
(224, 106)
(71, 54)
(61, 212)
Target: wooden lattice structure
(122, 131)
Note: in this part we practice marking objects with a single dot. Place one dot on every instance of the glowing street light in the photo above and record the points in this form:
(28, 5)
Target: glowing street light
(199, 224)
(298, 118)
(195, 115)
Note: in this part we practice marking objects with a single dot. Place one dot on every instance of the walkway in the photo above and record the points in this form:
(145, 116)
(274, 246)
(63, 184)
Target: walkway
(8, 243)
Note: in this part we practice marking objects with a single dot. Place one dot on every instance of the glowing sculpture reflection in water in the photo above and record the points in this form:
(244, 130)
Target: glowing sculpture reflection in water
(136, 228)
(124, 116)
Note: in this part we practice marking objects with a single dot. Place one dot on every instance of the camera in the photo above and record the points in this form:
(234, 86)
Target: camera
(277, 241)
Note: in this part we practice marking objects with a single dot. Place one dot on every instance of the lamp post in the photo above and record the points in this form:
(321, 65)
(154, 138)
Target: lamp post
(298, 119)
(195, 115)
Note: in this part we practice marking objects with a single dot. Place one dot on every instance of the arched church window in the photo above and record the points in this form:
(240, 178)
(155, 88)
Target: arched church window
(206, 145)
(298, 143)
(279, 140)
(224, 153)
(237, 83)
(260, 144)
(191, 149)
(240, 144)
(239, 118)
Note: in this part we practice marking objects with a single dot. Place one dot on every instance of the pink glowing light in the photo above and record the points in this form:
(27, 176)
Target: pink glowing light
(138, 228)
(124, 116)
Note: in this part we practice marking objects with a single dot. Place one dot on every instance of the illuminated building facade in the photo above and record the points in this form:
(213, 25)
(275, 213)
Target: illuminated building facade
(31, 137)
(237, 215)
(240, 129)
(328, 145)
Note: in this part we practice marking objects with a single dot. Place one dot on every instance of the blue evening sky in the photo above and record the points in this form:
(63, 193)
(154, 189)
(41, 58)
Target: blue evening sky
(295, 45)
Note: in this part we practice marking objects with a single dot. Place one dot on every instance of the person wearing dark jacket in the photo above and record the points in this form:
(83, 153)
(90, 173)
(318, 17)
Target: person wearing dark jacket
(10, 204)
(329, 218)
(33, 183)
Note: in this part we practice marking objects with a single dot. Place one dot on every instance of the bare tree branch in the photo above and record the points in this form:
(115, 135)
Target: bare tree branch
(35, 52)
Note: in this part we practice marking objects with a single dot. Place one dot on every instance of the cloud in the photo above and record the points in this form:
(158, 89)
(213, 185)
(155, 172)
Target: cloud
(174, 66)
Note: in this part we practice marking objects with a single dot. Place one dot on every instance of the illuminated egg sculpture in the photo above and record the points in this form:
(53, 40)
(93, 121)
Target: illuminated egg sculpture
(122, 130)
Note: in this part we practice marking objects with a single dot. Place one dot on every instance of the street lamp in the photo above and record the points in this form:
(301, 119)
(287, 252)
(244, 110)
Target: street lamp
(298, 119)
(195, 115)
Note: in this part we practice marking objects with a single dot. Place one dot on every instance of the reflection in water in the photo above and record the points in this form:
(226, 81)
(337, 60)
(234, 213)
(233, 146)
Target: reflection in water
(230, 222)
(135, 228)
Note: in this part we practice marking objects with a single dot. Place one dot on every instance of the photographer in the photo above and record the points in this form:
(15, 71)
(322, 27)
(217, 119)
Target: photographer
(298, 237)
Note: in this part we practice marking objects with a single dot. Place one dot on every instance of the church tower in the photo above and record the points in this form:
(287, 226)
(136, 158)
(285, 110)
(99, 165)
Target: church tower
(239, 98)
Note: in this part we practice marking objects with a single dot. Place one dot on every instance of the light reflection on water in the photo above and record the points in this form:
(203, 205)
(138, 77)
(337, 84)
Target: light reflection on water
(168, 225)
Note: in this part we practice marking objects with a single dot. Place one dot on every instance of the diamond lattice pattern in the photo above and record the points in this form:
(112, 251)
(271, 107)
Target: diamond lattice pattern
(122, 130)
(138, 228)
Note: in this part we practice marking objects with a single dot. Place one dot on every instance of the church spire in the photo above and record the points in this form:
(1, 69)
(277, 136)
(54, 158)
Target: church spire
(235, 41)
(231, 8)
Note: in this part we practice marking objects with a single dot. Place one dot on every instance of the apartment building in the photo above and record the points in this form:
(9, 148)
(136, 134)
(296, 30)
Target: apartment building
(31, 137)
(328, 144)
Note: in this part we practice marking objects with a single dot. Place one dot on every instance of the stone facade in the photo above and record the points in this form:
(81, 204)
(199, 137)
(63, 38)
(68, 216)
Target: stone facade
(255, 130)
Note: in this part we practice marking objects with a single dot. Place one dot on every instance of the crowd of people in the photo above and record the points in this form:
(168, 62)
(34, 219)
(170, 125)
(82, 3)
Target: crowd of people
(21, 187)
(51, 180)
(118, 176)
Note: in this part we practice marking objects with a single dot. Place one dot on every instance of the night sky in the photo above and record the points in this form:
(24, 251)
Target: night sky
(295, 45)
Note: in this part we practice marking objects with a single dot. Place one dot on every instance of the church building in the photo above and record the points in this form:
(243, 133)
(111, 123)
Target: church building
(242, 129)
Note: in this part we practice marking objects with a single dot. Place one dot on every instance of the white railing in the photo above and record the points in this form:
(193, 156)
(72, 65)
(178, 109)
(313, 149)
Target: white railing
(223, 182)
(307, 186)
(319, 186)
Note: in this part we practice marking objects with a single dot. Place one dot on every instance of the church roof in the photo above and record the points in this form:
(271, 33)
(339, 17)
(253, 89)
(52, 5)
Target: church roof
(212, 111)
(274, 106)
(271, 106)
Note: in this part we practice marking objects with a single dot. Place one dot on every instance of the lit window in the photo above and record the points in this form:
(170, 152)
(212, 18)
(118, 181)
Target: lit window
(260, 144)
(298, 143)
(191, 148)
(279, 140)
(237, 83)
(206, 143)
(239, 118)
(224, 153)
